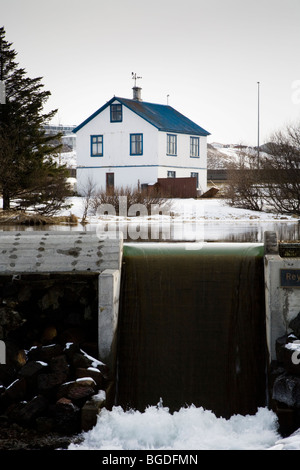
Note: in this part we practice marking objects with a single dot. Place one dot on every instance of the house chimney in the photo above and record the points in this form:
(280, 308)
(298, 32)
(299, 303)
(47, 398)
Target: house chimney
(137, 93)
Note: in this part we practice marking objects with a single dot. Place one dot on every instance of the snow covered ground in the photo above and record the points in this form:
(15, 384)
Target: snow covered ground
(203, 209)
(189, 219)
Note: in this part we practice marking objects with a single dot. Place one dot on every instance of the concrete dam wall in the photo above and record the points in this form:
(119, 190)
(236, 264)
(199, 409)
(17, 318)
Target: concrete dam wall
(185, 323)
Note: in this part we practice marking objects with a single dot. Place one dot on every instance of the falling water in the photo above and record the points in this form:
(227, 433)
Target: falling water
(192, 327)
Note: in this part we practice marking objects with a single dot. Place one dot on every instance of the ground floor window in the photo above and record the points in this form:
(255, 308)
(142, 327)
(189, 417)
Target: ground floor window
(195, 175)
(171, 174)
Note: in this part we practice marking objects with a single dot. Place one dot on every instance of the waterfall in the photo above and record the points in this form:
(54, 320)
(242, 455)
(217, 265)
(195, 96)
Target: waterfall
(192, 327)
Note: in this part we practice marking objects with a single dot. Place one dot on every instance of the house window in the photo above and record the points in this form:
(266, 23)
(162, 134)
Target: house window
(136, 144)
(171, 174)
(194, 147)
(195, 175)
(97, 145)
(116, 113)
(171, 144)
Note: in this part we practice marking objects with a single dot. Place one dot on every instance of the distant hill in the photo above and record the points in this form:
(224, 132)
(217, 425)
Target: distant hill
(220, 156)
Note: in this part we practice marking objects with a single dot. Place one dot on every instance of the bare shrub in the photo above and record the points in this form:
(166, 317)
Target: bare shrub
(283, 166)
(244, 188)
(134, 197)
(88, 193)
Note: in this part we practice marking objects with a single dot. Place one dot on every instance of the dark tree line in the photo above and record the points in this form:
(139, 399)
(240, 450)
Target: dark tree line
(29, 174)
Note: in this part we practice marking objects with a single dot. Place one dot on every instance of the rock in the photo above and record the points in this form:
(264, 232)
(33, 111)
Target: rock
(91, 409)
(67, 416)
(48, 384)
(286, 390)
(15, 356)
(92, 372)
(70, 350)
(280, 343)
(30, 372)
(77, 391)
(59, 364)
(45, 353)
(32, 368)
(49, 387)
(31, 410)
(73, 335)
(10, 319)
(14, 392)
(48, 335)
(80, 359)
(7, 374)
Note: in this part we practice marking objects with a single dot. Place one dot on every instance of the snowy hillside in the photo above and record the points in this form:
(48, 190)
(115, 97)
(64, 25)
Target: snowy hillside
(220, 156)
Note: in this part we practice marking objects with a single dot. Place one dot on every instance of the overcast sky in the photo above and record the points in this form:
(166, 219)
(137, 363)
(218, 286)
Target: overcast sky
(206, 55)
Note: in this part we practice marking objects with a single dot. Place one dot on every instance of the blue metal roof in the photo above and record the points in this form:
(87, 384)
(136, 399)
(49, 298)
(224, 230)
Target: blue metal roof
(163, 117)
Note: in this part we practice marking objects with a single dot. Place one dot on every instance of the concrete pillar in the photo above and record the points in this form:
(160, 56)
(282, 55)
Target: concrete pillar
(271, 243)
(109, 291)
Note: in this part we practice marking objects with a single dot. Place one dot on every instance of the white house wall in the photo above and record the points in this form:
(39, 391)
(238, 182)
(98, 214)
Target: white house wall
(128, 169)
(131, 170)
(124, 177)
(182, 163)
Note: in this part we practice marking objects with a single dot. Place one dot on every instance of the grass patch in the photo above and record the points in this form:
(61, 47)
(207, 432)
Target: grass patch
(33, 219)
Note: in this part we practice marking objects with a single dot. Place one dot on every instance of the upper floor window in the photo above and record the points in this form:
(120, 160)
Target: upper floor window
(136, 144)
(194, 147)
(171, 144)
(96, 145)
(116, 113)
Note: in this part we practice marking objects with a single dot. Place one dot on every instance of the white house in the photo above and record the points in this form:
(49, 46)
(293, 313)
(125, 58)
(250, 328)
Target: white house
(128, 142)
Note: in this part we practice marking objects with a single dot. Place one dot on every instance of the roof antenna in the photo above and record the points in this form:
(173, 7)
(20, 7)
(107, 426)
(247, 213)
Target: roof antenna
(135, 78)
(136, 89)
(168, 100)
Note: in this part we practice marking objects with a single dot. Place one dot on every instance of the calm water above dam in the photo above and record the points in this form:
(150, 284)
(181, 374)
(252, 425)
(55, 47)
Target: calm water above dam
(214, 231)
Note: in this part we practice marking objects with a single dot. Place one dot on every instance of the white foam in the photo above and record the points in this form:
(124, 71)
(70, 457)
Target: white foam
(188, 429)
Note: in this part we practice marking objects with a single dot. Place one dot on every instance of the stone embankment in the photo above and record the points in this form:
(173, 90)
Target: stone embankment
(55, 389)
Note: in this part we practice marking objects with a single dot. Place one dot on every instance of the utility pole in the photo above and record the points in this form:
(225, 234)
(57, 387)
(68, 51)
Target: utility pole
(258, 111)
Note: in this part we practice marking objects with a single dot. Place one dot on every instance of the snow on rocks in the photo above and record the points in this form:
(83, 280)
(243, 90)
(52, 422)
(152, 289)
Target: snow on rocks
(53, 390)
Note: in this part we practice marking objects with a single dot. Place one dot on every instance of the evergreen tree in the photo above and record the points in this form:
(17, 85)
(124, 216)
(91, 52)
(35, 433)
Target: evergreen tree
(28, 172)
